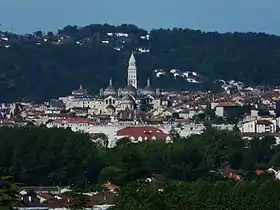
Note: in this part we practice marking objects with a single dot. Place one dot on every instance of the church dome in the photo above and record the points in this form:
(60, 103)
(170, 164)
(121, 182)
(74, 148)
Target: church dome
(79, 92)
(148, 90)
(110, 90)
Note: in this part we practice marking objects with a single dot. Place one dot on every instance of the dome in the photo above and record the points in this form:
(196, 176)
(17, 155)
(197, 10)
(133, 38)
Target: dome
(110, 90)
(130, 89)
(148, 90)
(80, 91)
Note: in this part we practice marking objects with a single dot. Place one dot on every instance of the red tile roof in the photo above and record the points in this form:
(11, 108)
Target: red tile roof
(227, 104)
(264, 122)
(230, 174)
(45, 196)
(146, 132)
(110, 186)
(57, 204)
(260, 172)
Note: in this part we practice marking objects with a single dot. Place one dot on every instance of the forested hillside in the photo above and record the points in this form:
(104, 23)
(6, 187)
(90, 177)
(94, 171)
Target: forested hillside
(40, 66)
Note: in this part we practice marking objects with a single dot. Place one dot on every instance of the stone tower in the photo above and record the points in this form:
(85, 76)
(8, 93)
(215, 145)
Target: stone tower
(132, 72)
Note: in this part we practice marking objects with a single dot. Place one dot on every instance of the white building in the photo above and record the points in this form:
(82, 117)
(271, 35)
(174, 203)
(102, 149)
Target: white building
(259, 125)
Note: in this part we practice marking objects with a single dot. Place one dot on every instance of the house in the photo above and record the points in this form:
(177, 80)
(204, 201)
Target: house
(49, 201)
(259, 125)
(260, 172)
(111, 187)
(222, 108)
(45, 189)
(44, 197)
(75, 124)
(230, 174)
(140, 133)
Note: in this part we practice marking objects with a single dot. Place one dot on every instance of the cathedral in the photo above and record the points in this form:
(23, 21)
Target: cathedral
(113, 101)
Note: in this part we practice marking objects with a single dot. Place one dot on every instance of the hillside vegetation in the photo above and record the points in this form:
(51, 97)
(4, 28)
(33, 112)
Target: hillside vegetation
(41, 66)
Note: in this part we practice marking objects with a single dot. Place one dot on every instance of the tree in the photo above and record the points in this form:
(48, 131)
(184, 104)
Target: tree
(8, 192)
(223, 146)
(59, 156)
(110, 174)
(200, 195)
(228, 56)
(55, 155)
(50, 34)
(175, 135)
(175, 115)
(261, 151)
(101, 139)
(38, 33)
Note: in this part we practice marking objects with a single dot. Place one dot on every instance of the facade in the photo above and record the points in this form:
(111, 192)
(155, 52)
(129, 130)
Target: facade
(259, 126)
(111, 100)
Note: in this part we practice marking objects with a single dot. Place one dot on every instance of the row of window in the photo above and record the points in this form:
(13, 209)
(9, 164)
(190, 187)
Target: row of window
(110, 101)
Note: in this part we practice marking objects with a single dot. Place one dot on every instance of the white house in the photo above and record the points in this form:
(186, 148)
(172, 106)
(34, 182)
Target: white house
(266, 125)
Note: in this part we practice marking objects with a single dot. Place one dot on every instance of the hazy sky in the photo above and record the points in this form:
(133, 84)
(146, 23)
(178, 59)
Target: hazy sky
(208, 15)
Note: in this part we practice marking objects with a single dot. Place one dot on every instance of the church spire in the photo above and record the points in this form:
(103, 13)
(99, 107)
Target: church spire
(132, 59)
(148, 82)
(81, 87)
(110, 82)
(132, 72)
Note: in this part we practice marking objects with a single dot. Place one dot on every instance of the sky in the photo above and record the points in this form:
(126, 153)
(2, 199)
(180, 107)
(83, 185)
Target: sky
(27, 16)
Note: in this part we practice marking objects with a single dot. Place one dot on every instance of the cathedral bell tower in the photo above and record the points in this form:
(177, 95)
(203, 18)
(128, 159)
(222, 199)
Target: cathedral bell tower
(132, 72)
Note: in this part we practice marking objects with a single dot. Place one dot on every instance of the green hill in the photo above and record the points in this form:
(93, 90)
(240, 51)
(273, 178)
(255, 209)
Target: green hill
(42, 66)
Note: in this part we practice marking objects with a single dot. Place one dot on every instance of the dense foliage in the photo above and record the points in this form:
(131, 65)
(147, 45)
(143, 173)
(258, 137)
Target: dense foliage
(39, 72)
(190, 159)
(8, 192)
(183, 175)
(41, 156)
(200, 195)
